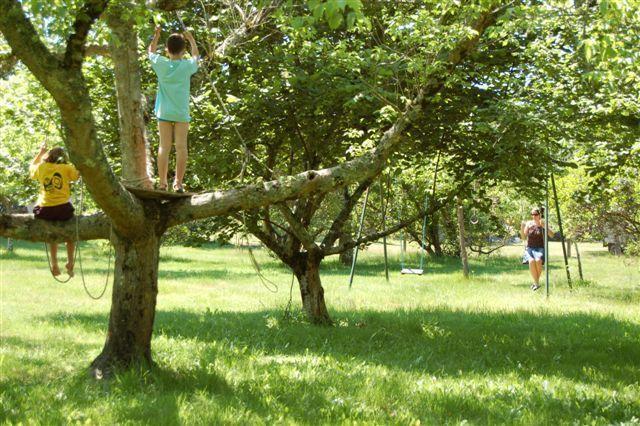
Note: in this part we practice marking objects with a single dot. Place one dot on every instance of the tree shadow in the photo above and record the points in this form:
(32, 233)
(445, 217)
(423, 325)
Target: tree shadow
(431, 341)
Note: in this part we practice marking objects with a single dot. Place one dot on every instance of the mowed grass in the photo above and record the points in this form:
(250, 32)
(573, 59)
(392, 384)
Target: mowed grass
(421, 349)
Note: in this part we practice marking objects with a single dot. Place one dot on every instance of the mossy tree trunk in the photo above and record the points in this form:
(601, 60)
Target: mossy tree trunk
(135, 289)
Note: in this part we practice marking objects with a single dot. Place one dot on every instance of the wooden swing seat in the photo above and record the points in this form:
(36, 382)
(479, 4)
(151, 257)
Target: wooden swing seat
(410, 271)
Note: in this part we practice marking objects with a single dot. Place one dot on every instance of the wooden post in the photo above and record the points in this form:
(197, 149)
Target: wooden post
(575, 243)
(355, 249)
(463, 242)
(564, 247)
(384, 226)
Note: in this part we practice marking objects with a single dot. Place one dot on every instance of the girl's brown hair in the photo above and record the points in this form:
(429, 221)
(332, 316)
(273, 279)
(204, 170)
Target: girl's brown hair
(55, 155)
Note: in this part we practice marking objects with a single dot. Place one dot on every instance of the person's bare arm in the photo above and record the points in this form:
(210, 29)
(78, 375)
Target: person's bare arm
(38, 158)
(154, 42)
(192, 42)
(523, 228)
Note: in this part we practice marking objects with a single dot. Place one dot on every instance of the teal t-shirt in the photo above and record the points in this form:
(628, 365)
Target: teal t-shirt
(174, 84)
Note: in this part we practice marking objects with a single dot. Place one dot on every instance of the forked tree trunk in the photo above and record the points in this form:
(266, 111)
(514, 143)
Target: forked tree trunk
(307, 272)
(133, 305)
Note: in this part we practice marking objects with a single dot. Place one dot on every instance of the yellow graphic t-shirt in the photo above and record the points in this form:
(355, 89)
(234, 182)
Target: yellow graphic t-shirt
(55, 180)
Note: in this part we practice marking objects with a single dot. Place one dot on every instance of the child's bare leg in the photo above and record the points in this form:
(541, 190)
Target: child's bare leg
(181, 133)
(165, 130)
(55, 270)
(71, 247)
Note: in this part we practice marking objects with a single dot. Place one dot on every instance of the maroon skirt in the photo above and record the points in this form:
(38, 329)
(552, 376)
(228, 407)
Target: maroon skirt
(59, 212)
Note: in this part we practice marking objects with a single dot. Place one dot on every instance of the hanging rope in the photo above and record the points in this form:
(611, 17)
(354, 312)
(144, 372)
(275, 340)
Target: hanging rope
(77, 256)
(84, 284)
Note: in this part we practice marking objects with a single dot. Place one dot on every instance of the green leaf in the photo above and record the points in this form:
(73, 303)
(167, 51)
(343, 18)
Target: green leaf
(355, 5)
(297, 22)
(335, 21)
(351, 19)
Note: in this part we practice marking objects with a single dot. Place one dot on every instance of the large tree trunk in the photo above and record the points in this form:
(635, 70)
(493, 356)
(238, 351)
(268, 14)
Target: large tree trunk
(434, 235)
(307, 271)
(133, 306)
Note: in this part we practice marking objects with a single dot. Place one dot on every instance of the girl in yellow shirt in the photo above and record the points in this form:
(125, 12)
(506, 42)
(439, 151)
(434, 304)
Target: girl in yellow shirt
(55, 175)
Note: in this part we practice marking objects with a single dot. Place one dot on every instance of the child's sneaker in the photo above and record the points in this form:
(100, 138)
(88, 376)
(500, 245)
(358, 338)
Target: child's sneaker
(535, 286)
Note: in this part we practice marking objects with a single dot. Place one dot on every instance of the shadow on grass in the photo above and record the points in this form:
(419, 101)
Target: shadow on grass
(493, 265)
(577, 346)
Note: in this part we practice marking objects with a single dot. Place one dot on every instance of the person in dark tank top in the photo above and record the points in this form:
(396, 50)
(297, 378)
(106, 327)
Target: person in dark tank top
(533, 232)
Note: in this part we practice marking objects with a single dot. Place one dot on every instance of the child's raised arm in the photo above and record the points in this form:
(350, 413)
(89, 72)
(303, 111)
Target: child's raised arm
(154, 43)
(192, 42)
(38, 158)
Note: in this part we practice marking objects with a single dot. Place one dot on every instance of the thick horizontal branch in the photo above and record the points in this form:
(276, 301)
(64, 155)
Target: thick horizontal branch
(68, 88)
(26, 227)
(310, 182)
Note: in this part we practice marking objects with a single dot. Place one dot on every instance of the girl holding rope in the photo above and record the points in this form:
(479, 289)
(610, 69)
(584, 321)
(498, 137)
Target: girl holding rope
(55, 174)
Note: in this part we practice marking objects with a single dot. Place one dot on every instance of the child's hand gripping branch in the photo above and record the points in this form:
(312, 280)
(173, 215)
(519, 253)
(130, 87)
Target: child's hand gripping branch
(172, 102)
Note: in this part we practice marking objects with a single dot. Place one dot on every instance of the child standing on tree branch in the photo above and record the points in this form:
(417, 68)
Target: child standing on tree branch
(55, 175)
(172, 102)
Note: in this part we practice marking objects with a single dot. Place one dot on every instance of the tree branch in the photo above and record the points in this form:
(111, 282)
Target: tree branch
(97, 50)
(297, 228)
(367, 166)
(373, 237)
(250, 23)
(7, 62)
(25, 41)
(267, 240)
(26, 227)
(348, 206)
(69, 90)
(86, 16)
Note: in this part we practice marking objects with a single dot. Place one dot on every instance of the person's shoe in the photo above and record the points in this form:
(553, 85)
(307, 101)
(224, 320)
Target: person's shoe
(162, 187)
(534, 287)
(178, 188)
(55, 270)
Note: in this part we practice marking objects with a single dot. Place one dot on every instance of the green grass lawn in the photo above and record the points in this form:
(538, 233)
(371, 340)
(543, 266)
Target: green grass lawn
(421, 349)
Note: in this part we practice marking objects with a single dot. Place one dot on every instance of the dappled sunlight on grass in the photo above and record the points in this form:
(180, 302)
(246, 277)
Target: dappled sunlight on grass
(435, 348)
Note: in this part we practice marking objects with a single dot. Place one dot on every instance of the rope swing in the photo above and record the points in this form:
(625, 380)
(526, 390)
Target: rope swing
(77, 253)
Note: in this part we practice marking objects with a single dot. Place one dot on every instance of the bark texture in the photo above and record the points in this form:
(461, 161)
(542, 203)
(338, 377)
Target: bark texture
(133, 304)
(136, 164)
(307, 271)
(25, 227)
